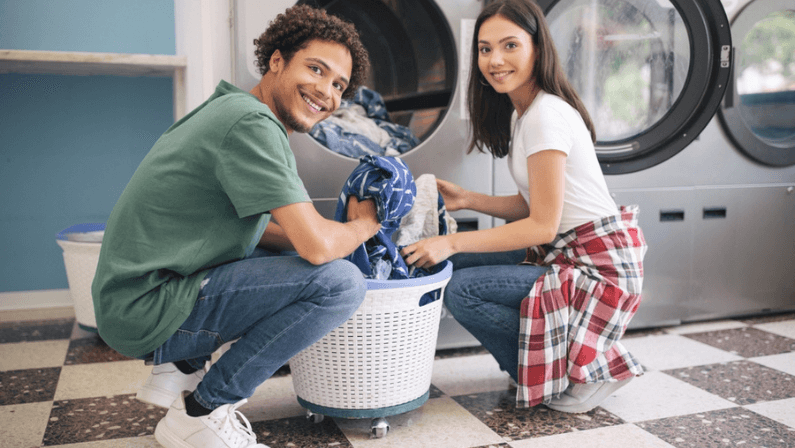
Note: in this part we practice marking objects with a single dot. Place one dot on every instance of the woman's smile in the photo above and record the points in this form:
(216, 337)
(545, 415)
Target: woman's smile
(506, 57)
(500, 76)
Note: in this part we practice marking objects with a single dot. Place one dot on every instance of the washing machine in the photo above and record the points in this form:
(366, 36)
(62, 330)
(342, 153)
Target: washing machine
(695, 120)
(419, 51)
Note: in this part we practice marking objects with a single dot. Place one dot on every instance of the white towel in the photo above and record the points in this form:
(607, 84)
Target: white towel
(422, 221)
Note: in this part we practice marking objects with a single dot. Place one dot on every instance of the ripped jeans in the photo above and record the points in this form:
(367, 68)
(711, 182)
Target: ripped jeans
(274, 305)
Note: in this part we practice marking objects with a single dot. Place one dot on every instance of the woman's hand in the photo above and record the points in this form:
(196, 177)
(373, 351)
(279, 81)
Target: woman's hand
(428, 252)
(455, 197)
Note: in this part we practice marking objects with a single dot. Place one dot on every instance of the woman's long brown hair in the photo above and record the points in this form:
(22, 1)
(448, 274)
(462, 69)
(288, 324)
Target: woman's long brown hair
(489, 111)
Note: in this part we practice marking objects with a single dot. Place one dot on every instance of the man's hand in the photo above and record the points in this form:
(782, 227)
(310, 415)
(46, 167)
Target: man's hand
(365, 212)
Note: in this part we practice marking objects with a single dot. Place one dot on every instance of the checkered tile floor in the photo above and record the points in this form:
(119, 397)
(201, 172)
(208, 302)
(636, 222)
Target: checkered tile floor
(713, 384)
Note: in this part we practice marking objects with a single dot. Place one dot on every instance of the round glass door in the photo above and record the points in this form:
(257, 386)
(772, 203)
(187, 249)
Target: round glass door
(758, 112)
(650, 72)
(412, 80)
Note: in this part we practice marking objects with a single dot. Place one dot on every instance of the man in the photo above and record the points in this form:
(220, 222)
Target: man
(188, 260)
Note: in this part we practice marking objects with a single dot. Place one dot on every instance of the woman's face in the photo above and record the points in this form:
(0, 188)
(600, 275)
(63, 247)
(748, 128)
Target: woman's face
(506, 56)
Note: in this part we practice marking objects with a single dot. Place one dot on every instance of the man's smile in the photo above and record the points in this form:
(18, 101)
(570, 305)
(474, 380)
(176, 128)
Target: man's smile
(312, 104)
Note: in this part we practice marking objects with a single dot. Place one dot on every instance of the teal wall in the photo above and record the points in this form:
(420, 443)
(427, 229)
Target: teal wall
(69, 144)
(112, 26)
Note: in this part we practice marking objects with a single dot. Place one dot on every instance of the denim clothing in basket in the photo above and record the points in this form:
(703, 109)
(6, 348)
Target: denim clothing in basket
(388, 181)
(575, 314)
(274, 305)
(362, 127)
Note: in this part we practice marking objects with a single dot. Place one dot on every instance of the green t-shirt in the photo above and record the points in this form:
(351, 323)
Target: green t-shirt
(200, 198)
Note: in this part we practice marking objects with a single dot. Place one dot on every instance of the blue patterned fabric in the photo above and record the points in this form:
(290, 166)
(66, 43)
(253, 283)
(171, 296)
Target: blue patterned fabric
(350, 143)
(389, 182)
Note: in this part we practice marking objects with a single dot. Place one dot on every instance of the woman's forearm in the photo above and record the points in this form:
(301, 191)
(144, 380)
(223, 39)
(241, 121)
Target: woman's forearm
(509, 208)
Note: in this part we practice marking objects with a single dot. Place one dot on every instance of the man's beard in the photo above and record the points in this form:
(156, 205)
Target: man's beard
(289, 120)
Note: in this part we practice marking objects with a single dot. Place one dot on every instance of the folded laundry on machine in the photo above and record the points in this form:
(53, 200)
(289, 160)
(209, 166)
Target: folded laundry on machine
(362, 127)
(389, 182)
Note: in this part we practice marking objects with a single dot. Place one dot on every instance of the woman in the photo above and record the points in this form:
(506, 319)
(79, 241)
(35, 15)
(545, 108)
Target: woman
(579, 281)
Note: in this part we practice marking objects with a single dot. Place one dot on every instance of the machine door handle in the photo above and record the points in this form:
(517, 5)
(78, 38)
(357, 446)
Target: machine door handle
(728, 97)
(714, 212)
(672, 215)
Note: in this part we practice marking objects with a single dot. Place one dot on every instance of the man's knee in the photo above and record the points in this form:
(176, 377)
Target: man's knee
(344, 280)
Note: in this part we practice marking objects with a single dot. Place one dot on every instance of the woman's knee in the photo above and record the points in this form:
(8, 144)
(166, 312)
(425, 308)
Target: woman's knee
(456, 298)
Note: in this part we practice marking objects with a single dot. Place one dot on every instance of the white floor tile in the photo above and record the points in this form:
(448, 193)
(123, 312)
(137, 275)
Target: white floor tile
(674, 351)
(785, 328)
(621, 436)
(23, 425)
(657, 395)
(101, 379)
(701, 327)
(469, 375)
(782, 411)
(133, 442)
(439, 423)
(784, 362)
(33, 355)
(275, 398)
(36, 314)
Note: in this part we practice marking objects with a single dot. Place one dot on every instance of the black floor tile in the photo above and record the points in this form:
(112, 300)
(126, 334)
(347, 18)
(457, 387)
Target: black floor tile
(735, 427)
(91, 350)
(300, 432)
(741, 382)
(100, 418)
(747, 342)
(28, 386)
(39, 330)
(498, 411)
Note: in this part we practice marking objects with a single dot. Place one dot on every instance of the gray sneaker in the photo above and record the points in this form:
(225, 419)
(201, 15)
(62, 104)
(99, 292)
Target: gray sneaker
(225, 427)
(166, 382)
(580, 398)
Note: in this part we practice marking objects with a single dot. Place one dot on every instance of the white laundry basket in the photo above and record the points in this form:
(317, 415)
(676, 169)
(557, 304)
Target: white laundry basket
(81, 244)
(379, 362)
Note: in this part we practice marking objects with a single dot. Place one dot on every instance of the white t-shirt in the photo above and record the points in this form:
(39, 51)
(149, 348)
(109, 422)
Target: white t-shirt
(551, 123)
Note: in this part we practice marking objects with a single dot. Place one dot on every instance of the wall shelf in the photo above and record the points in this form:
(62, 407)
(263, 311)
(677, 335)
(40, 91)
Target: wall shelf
(86, 64)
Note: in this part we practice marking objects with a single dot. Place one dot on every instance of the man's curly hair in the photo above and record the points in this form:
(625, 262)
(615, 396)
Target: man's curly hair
(293, 30)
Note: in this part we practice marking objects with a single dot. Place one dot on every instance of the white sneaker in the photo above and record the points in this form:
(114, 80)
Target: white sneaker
(580, 398)
(165, 384)
(221, 429)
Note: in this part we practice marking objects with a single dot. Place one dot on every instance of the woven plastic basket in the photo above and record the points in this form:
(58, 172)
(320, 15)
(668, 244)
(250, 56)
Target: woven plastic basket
(379, 362)
(81, 244)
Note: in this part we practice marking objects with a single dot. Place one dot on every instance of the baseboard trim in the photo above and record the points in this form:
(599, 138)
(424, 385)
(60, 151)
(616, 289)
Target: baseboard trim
(26, 300)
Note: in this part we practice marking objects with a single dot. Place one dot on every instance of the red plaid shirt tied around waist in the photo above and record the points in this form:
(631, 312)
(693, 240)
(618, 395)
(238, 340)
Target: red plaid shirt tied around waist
(575, 314)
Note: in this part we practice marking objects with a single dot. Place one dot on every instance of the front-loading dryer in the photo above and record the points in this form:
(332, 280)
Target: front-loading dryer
(419, 51)
(717, 215)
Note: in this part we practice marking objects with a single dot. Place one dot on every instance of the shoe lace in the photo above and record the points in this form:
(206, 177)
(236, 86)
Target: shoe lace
(229, 426)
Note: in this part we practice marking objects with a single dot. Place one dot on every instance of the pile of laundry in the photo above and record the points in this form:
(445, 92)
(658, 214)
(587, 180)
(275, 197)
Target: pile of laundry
(408, 211)
(361, 127)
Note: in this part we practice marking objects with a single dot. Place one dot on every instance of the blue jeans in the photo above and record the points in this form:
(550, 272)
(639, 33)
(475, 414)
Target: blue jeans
(274, 305)
(485, 296)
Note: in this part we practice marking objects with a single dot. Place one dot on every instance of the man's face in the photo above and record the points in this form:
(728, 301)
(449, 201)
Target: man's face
(309, 88)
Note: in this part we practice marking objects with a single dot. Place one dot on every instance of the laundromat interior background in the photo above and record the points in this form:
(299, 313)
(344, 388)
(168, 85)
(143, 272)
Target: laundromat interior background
(714, 183)
(693, 101)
